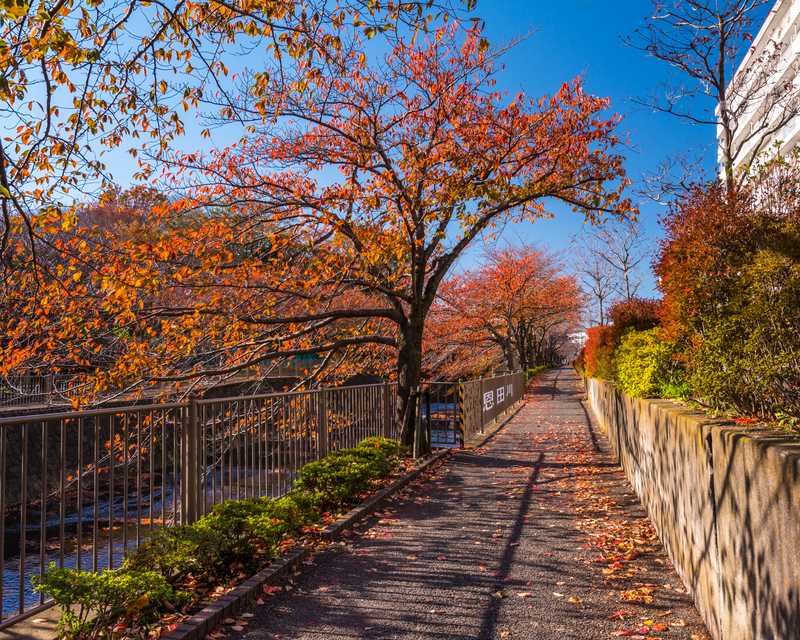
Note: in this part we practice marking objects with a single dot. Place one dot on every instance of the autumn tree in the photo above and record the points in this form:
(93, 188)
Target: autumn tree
(332, 226)
(79, 78)
(516, 309)
(705, 40)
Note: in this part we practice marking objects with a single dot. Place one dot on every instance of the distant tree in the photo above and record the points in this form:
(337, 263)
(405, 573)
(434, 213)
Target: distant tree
(622, 247)
(705, 40)
(597, 278)
(516, 309)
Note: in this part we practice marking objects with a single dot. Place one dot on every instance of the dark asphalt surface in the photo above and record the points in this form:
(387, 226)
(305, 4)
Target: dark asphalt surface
(487, 546)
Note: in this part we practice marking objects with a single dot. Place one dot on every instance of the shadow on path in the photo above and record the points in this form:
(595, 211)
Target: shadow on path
(485, 547)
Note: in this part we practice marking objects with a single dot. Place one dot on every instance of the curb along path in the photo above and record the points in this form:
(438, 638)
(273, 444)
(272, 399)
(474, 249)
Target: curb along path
(534, 535)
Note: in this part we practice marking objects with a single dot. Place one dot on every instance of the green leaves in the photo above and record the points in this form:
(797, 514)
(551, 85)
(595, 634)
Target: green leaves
(644, 365)
(93, 604)
(237, 538)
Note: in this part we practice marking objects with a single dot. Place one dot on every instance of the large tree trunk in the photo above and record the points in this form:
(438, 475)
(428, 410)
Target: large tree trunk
(409, 377)
(510, 355)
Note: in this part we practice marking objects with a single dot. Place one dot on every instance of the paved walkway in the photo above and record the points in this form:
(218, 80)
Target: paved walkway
(533, 536)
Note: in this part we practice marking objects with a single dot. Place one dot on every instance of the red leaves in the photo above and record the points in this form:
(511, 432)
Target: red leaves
(598, 351)
(518, 298)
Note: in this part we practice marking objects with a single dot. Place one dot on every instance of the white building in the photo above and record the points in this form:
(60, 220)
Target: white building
(578, 338)
(778, 36)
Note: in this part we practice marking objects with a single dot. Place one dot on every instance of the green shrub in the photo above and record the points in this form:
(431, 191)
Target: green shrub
(535, 371)
(92, 604)
(387, 446)
(227, 545)
(238, 536)
(729, 270)
(214, 549)
(282, 517)
(174, 552)
(748, 357)
(340, 476)
(644, 366)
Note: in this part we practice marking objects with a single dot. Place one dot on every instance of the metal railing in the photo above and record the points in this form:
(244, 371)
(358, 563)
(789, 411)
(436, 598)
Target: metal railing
(82, 489)
(484, 400)
(450, 413)
(21, 391)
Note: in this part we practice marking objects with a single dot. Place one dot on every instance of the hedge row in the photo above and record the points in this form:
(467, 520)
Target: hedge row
(727, 329)
(633, 353)
(178, 566)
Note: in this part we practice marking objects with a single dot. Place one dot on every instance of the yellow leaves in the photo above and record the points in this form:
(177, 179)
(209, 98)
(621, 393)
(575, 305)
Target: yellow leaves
(14, 8)
(69, 220)
(140, 603)
(639, 594)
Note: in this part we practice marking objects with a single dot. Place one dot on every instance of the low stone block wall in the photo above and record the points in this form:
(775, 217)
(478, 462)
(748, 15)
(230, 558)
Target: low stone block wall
(726, 503)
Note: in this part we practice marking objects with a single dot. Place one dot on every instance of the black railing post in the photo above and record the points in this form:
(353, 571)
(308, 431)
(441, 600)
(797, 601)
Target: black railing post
(387, 410)
(190, 467)
(323, 439)
(483, 409)
(428, 423)
(417, 407)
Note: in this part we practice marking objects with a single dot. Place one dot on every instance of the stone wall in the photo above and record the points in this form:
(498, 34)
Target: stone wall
(726, 503)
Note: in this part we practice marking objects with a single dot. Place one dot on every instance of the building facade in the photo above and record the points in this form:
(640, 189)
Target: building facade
(776, 47)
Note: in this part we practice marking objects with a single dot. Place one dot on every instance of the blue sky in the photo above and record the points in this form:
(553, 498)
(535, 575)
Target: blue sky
(571, 38)
(584, 37)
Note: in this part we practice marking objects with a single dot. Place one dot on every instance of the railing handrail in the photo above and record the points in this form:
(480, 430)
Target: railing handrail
(88, 413)
(275, 394)
(158, 406)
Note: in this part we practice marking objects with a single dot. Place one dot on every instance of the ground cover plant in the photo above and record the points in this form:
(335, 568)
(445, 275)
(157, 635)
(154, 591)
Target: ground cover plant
(178, 567)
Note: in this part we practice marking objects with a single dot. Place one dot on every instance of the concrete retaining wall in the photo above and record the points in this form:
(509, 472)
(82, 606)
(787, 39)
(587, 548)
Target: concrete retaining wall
(726, 504)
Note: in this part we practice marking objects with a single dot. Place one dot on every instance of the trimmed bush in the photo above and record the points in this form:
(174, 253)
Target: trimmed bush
(748, 357)
(93, 604)
(340, 476)
(729, 269)
(281, 519)
(535, 371)
(639, 314)
(599, 352)
(645, 366)
(387, 446)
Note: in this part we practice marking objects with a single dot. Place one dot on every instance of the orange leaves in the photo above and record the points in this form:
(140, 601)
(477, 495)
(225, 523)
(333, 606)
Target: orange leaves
(519, 297)
(641, 595)
(328, 235)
